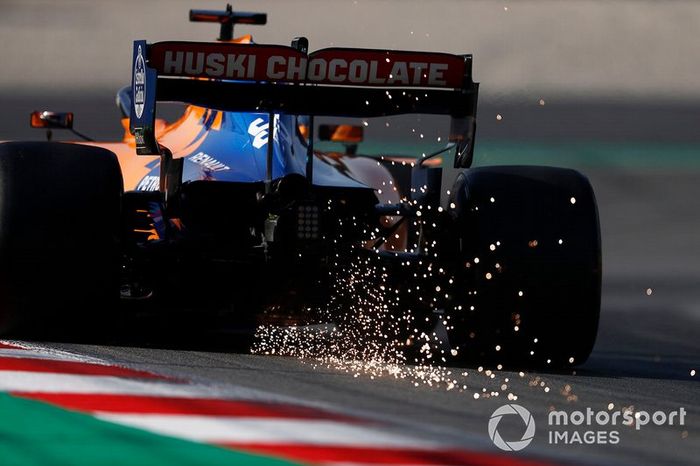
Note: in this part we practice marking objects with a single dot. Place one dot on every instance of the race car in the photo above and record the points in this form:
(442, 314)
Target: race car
(236, 209)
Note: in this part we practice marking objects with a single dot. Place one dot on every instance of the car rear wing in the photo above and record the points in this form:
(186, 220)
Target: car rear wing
(280, 79)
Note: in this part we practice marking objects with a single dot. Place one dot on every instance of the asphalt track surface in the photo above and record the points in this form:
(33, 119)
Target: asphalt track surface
(646, 348)
(647, 344)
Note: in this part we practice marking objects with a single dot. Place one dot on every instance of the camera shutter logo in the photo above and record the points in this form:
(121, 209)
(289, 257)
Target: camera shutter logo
(527, 419)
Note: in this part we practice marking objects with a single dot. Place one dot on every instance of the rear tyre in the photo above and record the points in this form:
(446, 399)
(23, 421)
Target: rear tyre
(60, 210)
(531, 261)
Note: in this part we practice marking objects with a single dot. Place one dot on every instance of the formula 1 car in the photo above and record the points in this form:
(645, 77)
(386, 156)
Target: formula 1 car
(234, 209)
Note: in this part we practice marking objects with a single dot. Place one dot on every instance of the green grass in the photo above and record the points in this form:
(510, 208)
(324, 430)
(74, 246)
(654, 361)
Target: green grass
(37, 434)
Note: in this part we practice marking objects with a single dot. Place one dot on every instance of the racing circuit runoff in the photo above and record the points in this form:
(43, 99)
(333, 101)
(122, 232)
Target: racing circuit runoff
(258, 217)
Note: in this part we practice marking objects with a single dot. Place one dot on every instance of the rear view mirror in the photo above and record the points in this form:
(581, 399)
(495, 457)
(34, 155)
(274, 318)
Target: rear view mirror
(49, 120)
(341, 133)
(54, 120)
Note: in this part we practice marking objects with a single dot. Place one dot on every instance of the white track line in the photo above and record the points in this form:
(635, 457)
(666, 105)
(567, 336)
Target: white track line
(222, 429)
(39, 382)
(18, 343)
(52, 356)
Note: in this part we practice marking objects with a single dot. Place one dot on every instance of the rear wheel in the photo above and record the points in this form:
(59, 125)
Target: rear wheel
(59, 235)
(530, 259)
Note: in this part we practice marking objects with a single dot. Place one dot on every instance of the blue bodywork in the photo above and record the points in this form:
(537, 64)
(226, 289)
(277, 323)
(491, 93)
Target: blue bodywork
(236, 151)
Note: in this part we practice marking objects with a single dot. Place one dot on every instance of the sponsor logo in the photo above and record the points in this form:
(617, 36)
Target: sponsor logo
(278, 67)
(332, 66)
(139, 90)
(509, 410)
(216, 65)
(149, 183)
(208, 162)
(357, 71)
(259, 129)
(138, 137)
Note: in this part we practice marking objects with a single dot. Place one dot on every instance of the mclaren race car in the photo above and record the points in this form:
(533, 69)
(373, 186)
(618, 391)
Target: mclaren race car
(260, 196)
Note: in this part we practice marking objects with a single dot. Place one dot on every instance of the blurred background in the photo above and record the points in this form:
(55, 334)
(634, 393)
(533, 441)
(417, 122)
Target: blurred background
(608, 87)
(576, 70)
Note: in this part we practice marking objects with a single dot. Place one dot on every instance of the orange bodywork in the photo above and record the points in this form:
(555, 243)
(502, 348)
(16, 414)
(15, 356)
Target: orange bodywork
(182, 138)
